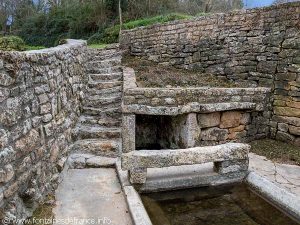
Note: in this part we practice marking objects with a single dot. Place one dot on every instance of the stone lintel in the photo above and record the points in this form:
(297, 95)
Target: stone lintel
(189, 108)
(198, 155)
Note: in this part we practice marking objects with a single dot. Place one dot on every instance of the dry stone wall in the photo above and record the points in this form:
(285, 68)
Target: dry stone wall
(260, 47)
(39, 106)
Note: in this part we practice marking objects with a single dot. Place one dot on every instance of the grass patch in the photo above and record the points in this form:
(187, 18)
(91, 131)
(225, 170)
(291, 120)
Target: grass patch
(97, 46)
(29, 48)
(276, 151)
(152, 74)
(111, 35)
(43, 214)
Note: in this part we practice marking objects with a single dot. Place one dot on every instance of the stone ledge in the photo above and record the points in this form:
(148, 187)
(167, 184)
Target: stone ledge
(198, 155)
(194, 107)
(276, 194)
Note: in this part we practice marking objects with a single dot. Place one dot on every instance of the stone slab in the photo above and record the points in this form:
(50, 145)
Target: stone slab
(275, 193)
(136, 207)
(198, 155)
(93, 194)
(188, 176)
(287, 176)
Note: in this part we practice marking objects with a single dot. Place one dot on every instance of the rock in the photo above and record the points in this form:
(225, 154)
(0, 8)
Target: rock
(6, 80)
(6, 173)
(246, 118)
(27, 143)
(285, 137)
(209, 120)
(283, 127)
(294, 130)
(230, 119)
(289, 120)
(3, 138)
(214, 134)
(286, 111)
(100, 161)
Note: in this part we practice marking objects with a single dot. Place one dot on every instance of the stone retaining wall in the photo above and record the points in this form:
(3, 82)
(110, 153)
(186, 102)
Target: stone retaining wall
(39, 105)
(259, 46)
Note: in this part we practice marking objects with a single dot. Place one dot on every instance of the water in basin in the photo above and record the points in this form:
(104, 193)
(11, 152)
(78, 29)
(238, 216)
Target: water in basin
(230, 205)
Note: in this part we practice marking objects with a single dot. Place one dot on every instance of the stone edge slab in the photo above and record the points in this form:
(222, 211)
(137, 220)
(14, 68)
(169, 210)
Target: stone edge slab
(276, 194)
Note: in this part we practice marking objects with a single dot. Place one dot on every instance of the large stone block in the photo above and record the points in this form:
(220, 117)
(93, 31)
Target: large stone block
(198, 155)
(214, 134)
(209, 119)
(294, 130)
(287, 111)
(230, 119)
(128, 133)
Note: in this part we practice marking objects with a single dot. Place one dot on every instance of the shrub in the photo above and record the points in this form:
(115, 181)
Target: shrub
(111, 35)
(12, 43)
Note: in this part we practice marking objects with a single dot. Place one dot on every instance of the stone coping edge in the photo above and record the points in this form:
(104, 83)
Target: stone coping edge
(274, 193)
(136, 207)
(190, 108)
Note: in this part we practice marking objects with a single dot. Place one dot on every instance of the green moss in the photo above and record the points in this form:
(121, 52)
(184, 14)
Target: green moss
(277, 151)
(97, 46)
(12, 43)
(43, 214)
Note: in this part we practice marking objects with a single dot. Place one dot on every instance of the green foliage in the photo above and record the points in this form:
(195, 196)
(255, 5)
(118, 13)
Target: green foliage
(12, 43)
(29, 48)
(111, 34)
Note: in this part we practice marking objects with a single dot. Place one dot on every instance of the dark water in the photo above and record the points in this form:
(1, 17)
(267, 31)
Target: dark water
(213, 206)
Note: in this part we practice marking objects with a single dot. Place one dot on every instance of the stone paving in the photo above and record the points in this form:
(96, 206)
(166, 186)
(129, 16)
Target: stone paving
(91, 195)
(287, 176)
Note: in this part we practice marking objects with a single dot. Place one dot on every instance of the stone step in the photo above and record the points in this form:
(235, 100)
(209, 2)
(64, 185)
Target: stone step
(93, 131)
(110, 62)
(106, 55)
(105, 70)
(102, 106)
(112, 112)
(103, 100)
(102, 121)
(104, 85)
(105, 92)
(117, 95)
(110, 147)
(106, 77)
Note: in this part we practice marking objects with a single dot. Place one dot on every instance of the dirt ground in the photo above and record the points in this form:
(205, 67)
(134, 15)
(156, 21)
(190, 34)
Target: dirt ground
(152, 74)
(277, 151)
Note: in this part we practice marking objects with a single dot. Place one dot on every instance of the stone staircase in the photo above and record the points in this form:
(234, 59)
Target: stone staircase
(98, 131)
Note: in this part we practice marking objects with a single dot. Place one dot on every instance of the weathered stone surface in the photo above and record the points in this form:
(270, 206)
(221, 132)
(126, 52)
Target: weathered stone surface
(198, 155)
(3, 138)
(230, 119)
(209, 120)
(128, 133)
(6, 173)
(138, 175)
(214, 134)
(285, 137)
(28, 142)
(286, 111)
(191, 131)
(294, 130)
(231, 166)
